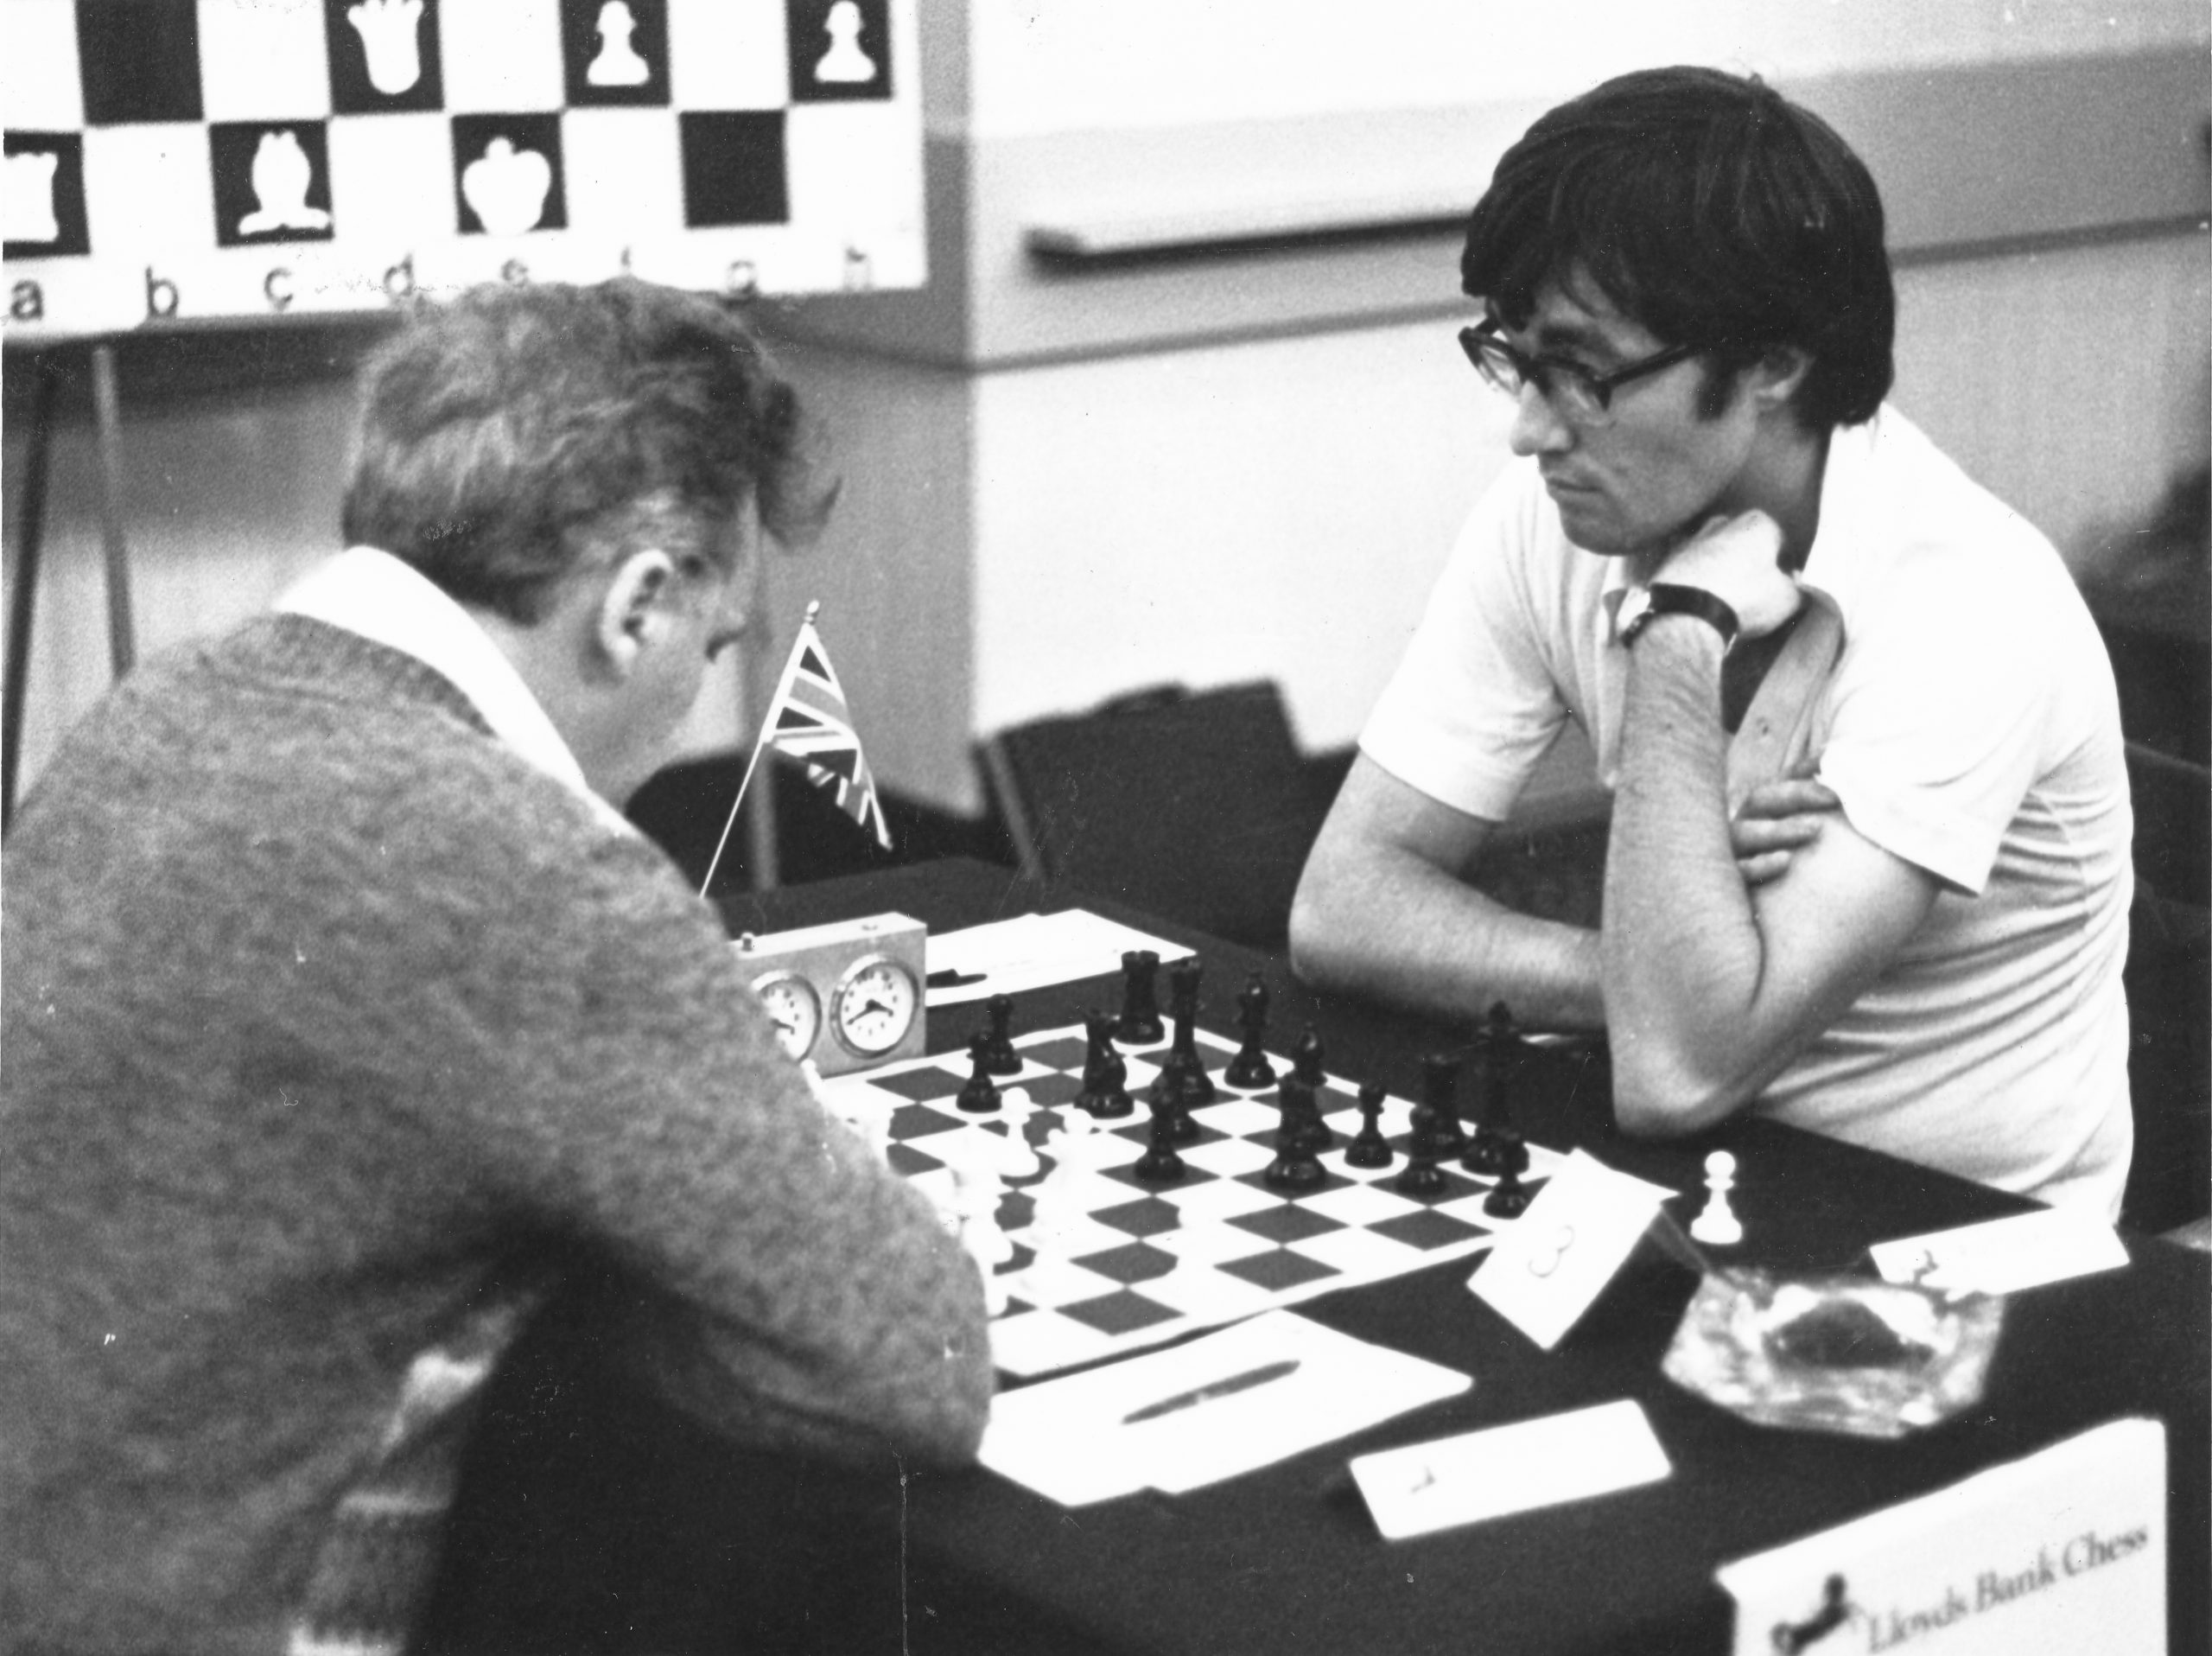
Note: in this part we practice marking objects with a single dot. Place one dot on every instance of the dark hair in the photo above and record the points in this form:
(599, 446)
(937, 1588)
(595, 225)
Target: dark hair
(1715, 214)
(505, 432)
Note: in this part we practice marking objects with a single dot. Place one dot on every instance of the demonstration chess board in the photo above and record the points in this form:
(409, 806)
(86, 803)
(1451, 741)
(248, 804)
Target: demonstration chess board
(1148, 1262)
(225, 158)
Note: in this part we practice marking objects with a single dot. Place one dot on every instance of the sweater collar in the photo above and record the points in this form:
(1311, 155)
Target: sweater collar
(377, 597)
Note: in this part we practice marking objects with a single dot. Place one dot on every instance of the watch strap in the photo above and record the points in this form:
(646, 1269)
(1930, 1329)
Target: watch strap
(1665, 598)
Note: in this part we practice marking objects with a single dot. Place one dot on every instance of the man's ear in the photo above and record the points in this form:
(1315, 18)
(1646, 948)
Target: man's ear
(1775, 378)
(633, 608)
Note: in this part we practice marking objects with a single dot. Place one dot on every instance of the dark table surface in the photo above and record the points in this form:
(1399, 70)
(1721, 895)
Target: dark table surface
(698, 1545)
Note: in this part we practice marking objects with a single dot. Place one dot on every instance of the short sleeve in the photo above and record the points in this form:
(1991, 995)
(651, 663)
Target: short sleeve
(1473, 704)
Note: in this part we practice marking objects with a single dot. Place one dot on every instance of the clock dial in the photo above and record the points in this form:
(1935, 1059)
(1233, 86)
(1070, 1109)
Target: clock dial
(875, 1003)
(791, 1003)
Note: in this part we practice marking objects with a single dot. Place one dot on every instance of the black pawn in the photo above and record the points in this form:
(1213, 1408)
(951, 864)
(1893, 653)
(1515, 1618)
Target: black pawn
(1105, 1075)
(1370, 1149)
(1306, 1057)
(1510, 1198)
(1250, 1067)
(1159, 1164)
(1421, 1176)
(1295, 1167)
(1440, 1083)
(1140, 1024)
(999, 1053)
(980, 1096)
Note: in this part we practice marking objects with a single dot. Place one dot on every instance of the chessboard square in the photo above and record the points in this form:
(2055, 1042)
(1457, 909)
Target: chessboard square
(727, 57)
(1165, 1188)
(509, 177)
(1146, 1216)
(840, 49)
(139, 61)
(1239, 1115)
(146, 190)
(1279, 1269)
(1049, 1090)
(934, 1080)
(912, 1121)
(1202, 1245)
(392, 174)
(1209, 1296)
(384, 55)
(1125, 1312)
(1366, 1256)
(1217, 1199)
(1286, 1222)
(271, 182)
(40, 86)
(734, 168)
(262, 62)
(911, 1163)
(1428, 1230)
(502, 58)
(1361, 1204)
(1038, 1341)
(43, 202)
(1231, 1158)
(622, 171)
(1056, 1051)
(614, 51)
(1129, 1264)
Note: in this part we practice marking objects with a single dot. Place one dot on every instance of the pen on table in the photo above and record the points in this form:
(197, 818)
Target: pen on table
(947, 978)
(1212, 1390)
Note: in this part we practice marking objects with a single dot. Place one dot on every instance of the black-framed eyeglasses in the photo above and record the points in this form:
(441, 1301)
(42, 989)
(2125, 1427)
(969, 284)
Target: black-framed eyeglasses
(1580, 396)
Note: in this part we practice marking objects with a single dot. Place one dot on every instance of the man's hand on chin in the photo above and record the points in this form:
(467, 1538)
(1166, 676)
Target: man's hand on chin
(1738, 560)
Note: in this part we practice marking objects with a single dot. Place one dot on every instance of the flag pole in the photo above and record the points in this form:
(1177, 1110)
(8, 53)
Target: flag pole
(759, 745)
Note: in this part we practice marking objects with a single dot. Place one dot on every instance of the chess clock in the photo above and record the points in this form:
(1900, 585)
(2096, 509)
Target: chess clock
(848, 995)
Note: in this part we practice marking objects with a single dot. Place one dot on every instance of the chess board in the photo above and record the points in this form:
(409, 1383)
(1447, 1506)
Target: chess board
(242, 158)
(1149, 1262)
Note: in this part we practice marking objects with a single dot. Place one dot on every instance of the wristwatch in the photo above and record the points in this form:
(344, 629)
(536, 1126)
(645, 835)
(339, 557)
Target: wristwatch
(1664, 598)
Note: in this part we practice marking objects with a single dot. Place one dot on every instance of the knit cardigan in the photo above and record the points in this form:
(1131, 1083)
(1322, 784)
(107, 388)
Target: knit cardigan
(333, 1033)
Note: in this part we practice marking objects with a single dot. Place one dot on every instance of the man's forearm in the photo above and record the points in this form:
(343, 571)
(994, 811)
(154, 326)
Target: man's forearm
(1405, 931)
(1681, 950)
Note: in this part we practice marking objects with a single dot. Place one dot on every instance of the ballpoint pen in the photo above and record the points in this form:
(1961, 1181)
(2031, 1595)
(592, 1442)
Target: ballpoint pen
(1212, 1390)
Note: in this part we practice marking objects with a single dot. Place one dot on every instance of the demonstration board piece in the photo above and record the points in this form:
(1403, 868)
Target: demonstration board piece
(1128, 1262)
(204, 158)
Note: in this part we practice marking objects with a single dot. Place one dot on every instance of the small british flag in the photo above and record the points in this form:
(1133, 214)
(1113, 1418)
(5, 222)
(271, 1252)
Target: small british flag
(808, 719)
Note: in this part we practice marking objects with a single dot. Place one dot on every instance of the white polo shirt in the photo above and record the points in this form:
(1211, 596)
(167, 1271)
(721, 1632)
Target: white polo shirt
(1971, 727)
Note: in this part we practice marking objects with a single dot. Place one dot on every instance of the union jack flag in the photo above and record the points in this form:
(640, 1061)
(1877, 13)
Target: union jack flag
(808, 719)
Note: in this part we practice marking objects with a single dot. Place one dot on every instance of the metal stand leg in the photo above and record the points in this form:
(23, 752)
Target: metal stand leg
(108, 417)
(30, 531)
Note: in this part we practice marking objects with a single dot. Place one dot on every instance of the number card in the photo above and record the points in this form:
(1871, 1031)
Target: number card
(1548, 1270)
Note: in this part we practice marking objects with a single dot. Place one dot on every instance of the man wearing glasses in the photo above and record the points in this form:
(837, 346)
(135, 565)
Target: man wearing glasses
(1868, 861)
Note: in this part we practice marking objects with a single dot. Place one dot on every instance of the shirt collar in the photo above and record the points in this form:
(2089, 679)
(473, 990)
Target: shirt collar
(377, 597)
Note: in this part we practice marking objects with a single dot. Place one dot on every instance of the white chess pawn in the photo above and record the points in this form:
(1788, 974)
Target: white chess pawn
(1059, 1210)
(1017, 1156)
(1717, 1225)
(844, 61)
(618, 63)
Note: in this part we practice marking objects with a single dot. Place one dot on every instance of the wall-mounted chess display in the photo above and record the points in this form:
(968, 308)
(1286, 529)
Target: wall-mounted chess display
(240, 158)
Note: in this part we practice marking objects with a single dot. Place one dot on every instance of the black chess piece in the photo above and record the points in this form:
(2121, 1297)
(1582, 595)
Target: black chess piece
(1105, 1074)
(1496, 1054)
(1183, 1079)
(1307, 1056)
(1370, 1149)
(1296, 1167)
(1001, 1056)
(1510, 1198)
(1140, 1024)
(1250, 1067)
(1421, 1176)
(1440, 1085)
(980, 1096)
(1313, 1134)
(1159, 1164)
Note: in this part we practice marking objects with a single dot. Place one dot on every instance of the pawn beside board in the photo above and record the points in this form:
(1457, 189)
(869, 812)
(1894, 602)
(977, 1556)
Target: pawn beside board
(1717, 1226)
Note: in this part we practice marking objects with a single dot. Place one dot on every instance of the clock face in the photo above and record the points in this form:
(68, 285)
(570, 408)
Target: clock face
(796, 1010)
(875, 1003)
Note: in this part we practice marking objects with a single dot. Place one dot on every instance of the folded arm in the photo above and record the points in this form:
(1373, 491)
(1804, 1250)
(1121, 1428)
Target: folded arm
(1714, 985)
(1383, 910)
